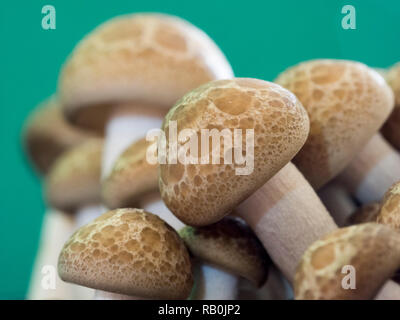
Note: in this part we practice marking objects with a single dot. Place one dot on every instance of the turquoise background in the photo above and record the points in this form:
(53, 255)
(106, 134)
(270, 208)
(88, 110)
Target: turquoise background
(260, 38)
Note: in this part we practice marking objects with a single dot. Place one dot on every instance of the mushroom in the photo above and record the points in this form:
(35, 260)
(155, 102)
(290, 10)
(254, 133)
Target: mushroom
(126, 74)
(46, 135)
(231, 246)
(347, 103)
(365, 213)
(73, 183)
(389, 211)
(369, 251)
(128, 252)
(132, 182)
(338, 201)
(391, 128)
(274, 198)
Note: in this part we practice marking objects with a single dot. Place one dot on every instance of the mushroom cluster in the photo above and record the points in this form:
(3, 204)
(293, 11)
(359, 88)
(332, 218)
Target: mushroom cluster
(254, 181)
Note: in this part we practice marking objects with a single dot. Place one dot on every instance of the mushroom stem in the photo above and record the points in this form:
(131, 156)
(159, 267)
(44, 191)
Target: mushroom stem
(287, 216)
(372, 171)
(338, 202)
(152, 202)
(125, 127)
(57, 228)
(213, 283)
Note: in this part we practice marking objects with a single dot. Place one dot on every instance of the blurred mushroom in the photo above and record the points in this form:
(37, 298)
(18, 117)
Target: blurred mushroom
(128, 252)
(371, 250)
(228, 245)
(125, 75)
(46, 135)
(73, 183)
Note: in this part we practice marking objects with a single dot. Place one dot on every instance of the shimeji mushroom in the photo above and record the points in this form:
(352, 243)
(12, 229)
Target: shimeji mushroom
(133, 182)
(274, 198)
(46, 135)
(370, 253)
(231, 246)
(338, 201)
(125, 75)
(347, 103)
(73, 183)
(130, 253)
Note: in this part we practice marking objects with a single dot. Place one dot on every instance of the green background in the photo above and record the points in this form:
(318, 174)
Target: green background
(260, 39)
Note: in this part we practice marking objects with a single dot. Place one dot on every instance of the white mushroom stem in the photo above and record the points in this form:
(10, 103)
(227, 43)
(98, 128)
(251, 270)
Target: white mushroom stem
(338, 201)
(372, 171)
(212, 283)
(126, 126)
(45, 283)
(287, 216)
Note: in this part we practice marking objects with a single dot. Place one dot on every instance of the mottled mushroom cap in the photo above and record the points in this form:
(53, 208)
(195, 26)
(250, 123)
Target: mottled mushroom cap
(74, 179)
(149, 59)
(389, 213)
(366, 213)
(347, 103)
(231, 245)
(46, 135)
(201, 194)
(130, 252)
(372, 249)
(131, 177)
(391, 129)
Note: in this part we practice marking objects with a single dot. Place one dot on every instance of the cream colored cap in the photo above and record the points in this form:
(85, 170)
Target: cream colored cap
(46, 135)
(201, 194)
(347, 103)
(370, 251)
(148, 59)
(131, 177)
(391, 129)
(231, 245)
(130, 252)
(389, 213)
(74, 179)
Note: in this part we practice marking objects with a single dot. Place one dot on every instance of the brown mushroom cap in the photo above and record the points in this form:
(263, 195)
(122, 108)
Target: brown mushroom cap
(131, 252)
(366, 213)
(347, 103)
(131, 177)
(389, 213)
(203, 194)
(134, 58)
(372, 249)
(391, 129)
(74, 179)
(47, 135)
(231, 245)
